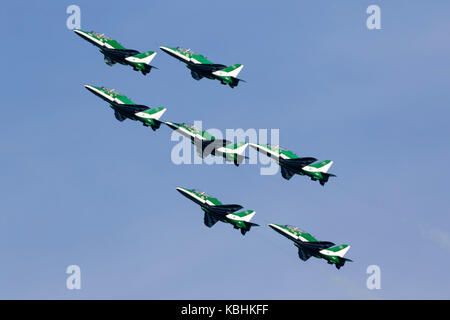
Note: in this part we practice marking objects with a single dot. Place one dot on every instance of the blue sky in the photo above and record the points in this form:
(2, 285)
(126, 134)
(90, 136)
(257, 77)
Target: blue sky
(78, 187)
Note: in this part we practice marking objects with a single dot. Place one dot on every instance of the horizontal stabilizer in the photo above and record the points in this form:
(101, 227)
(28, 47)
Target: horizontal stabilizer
(325, 178)
(251, 224)
(300, 162)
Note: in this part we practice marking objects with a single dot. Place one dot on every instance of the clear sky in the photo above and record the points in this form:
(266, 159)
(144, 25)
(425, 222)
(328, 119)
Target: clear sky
(79, 188)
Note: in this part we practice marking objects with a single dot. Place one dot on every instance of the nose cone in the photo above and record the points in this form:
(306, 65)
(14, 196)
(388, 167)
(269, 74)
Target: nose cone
(173, 126)
(92, 89)
(183, 191)
(274, 226)
(81, 33)
(166, 49)
(278, 229)
(171, 51)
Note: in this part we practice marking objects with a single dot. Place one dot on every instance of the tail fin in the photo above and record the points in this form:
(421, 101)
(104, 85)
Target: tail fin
(234, 152)
(241, 220)
(153, 113)
(336, 251)
(235, 148)
(246, 215)
(150, 117)
(322, 166)
(231, 71)
(144, 57)
(335, 255)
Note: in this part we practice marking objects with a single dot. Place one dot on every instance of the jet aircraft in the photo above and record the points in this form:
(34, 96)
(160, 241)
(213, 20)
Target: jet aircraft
(201, 67)
(292, 164)
(216, 211)
(114, 52)
(124, 108)
(308, 246)
(206, 144)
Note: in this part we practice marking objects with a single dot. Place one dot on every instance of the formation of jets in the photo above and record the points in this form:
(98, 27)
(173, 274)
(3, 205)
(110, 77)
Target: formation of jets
(199, 65)
(206, 144)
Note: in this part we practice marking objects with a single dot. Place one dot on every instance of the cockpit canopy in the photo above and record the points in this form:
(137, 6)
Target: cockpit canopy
(192, 128)
(293, 228)
(100, 35)
(189, 126)
(186, 50)
(111, 91)
(203, 193)
(189, 51)
(277, 147)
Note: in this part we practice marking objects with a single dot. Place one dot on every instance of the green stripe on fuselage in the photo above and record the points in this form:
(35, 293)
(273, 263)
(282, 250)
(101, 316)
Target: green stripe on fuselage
(204, 196)
(202, 133)
(295, 231)
(192, 55)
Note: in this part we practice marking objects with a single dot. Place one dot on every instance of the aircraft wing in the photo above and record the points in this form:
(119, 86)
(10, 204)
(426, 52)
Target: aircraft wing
(208, 146)
(308, 249)
(130, 107)
(119, 116)
(299, 162)
(209, 220)
(286, 173)
(265, 150)
(224, 209)
(317, 245)
(304, 254)
(208, 67)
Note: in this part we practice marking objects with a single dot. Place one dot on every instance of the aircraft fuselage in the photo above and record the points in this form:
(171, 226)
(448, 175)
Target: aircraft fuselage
(118, 55)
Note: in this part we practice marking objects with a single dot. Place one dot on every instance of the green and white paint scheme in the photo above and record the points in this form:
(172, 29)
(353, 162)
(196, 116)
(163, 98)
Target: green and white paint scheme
(217, 211)
(206, 144)
(114, 52)
(201, 67)
(124, 108)
(308, 246)
(291, 163)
